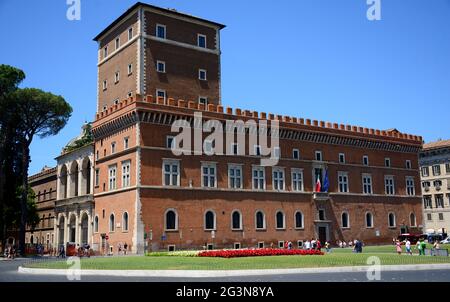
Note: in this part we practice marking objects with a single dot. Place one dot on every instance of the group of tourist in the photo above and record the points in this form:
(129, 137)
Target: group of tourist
(356, 244)
(313, 244)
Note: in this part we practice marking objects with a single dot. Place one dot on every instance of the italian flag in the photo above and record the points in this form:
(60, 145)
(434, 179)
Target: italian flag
(318, 186)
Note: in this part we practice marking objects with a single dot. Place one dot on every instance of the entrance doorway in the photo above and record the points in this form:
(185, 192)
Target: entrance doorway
(323, 234)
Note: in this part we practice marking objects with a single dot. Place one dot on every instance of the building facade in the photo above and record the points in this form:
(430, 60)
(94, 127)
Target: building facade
(74, 206)
(435, 177)
(45, 189)
(153, 199)
(151, 50)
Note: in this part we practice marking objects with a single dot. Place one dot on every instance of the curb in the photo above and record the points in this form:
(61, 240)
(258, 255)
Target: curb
(226, 273)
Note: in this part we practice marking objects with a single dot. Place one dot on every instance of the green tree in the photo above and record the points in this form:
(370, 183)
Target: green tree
(41, 114)
(10, 78)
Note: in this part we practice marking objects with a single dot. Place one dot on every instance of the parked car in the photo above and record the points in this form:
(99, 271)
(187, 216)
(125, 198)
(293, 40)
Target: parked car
(446, 241)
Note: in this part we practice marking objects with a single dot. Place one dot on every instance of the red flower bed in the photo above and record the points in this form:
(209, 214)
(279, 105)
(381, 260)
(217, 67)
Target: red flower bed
(257, 252)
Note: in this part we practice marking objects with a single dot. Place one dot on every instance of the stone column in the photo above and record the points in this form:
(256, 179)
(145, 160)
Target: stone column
(81, 182)
(91, 188)
(58, 187)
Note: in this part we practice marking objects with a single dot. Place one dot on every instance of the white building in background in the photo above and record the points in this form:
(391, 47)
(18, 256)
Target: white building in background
(74, 206)
(435, 176)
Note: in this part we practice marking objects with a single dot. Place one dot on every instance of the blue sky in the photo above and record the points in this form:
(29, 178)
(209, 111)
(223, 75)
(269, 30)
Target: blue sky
(319, 59)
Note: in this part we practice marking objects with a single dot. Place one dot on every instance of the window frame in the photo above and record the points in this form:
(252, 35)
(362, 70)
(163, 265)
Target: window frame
(302, 227)
(235, 167)
(343, 184)
(157, 31)
(171, 163)
(241, 227)
(264, 226)
(342, 220)
(214, 228)
(175, 229)
(259, 178)
(112, 179)
(298, 154)
(126, 175)
(295, 188)
(163, 64)
(276, 220)
(368, 184)
(200, 72)
(342, 158)
(198, 40)
(209, 165)
(389, 185)
(276, 180)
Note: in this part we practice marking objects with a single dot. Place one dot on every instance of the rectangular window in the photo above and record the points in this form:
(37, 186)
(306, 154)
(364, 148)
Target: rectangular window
(116, 77)
(277, 152)
(201, 41)
(321, 214)
(318, 155)
(203, 100)
(170, 142)
(365, 160)
(387, 162)
(429, 217)
(389, 185)
(439, 199)
(208, 147)
(425, 171)
(436, 170)
(410, 188)
(447, 168)
(97, 177)
(130, 69)
(161, 94)
(161, 31)
(117, 43)
(343, 182)
(297, 180)
(408, 164)
(171, 172)
(202, 74)
(126, 174)
(125, 142)
(105, 85)
(367, 184)
(161, 66)
(257, 150)
(113, 147)
(105, 52)
(261, 245)
(130, 33)
(427, 202)
(234, 149)
(112, 171)
(209, 175)
(259, 179)
(295, 154)
(281, 244)
(341, 158)
(441, 216)
(278, 179)
(235, 176)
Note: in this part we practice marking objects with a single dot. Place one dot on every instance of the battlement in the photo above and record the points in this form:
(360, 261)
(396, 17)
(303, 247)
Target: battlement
(237, 112)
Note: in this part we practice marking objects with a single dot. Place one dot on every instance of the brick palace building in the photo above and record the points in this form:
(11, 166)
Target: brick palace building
(156, 66)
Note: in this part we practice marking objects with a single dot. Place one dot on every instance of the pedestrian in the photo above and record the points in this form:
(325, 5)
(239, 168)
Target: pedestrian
(408, 246)
(313, 243)
(286, 245)
(344, 244)
(424, 247)
(120, 249)
(327, 246)
(290, 245)
(398, 247)
(125, 247)
(307, 245)
(319, 245)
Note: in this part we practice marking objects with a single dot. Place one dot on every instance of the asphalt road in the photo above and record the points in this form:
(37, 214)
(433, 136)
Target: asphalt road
(9, 273)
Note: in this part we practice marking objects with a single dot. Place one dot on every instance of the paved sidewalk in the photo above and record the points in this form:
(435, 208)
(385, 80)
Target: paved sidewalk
(231, 273)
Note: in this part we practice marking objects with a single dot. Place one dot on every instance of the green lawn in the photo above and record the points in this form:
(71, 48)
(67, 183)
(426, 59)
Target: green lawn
(339, 257)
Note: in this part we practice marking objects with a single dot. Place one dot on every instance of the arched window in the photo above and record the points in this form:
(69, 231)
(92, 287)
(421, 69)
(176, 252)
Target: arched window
(412, 219)
(391, 218)
(125, 222)
(96, 224)
(260, 220)
(280, 220)
(236, 218)
(210, 220)
(345, 223)
(298, 220)
(171, 220)
(369, 220)
(111, 223)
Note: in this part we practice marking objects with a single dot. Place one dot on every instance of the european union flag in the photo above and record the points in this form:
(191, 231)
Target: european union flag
(326, 183)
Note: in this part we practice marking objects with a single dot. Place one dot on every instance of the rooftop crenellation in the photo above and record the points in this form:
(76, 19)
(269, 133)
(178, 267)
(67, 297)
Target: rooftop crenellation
(238, 112)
